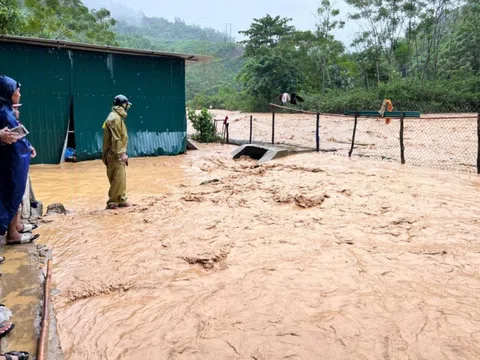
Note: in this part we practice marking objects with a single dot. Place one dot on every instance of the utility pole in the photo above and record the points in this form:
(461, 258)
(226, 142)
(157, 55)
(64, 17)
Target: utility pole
(227, 37)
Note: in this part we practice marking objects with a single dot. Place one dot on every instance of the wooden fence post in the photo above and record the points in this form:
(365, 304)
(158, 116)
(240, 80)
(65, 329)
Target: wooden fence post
(318, 132)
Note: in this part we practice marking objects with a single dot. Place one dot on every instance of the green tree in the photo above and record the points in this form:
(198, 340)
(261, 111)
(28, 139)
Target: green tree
(66, 19)
(271, 65)
(328, 51)
(271, 73)
(11, 19)
(460, 53)
(265, 33)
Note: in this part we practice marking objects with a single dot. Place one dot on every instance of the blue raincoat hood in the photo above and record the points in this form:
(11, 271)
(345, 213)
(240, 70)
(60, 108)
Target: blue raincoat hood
(7, 87)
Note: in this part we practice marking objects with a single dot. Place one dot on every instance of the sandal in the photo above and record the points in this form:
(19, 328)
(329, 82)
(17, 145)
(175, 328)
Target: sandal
(25, 239)
(28, 228)
(112, 207)
(9, 329)
(21, 355)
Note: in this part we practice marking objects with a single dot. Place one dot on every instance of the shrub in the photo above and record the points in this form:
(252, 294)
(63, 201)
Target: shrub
(204, 126)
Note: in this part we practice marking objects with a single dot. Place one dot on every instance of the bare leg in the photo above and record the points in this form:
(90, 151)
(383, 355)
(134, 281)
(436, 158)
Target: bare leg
(13, 233)
(19, 224)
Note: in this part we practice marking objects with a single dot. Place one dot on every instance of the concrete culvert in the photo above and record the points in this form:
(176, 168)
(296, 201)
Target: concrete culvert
(259, 152)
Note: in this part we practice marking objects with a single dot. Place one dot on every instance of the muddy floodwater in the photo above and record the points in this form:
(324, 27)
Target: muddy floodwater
(309, 257)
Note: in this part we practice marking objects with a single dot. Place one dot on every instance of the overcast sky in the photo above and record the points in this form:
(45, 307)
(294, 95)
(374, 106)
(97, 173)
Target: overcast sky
(215, 13)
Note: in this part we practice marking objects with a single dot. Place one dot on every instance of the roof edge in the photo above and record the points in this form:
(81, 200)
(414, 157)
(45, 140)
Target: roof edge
(189, 58)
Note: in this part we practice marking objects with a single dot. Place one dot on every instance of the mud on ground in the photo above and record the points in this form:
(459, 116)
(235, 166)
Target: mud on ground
(309, 257)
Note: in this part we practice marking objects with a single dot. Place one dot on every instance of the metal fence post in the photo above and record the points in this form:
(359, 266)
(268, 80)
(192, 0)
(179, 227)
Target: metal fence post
(353, 136)
(273, 125)
(402, 146)
(251, 128)
(318, 132)
(478, 142)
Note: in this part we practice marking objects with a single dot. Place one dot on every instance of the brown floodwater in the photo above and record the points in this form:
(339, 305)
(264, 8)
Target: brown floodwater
(21, 288)
(309, 257)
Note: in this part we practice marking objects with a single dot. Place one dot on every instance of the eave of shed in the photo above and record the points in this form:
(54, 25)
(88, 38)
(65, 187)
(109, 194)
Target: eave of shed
(189, 58)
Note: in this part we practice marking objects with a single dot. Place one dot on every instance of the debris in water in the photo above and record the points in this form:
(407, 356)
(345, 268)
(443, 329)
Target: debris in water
(210, 181)
(207, 261)
(56, 208)
(192, 198)
(310, 201)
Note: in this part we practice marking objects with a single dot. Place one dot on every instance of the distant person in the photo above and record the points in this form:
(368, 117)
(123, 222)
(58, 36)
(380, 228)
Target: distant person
(290, 98)
(115, 141)
(284, 98)
(14, 165)
(295, 99)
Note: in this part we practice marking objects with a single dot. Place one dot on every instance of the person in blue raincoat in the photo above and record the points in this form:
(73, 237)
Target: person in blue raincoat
(14, 165)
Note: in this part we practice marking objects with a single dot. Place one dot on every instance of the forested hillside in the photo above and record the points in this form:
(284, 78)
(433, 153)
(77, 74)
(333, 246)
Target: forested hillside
(160, 34)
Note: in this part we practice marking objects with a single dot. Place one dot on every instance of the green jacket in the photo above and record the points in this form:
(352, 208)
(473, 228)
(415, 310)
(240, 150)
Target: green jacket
(115, 136)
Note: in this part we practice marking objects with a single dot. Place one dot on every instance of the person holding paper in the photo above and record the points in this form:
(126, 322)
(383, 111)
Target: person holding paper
(14, 166)
(8, 137)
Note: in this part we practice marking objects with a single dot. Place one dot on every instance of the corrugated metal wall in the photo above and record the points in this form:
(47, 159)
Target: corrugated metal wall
(52, 78)
(46, 88)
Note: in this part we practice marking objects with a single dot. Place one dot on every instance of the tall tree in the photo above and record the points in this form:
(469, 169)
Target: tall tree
(11, 19)
(328, 49)
(57, 19)
(265, 33)
(271, 62)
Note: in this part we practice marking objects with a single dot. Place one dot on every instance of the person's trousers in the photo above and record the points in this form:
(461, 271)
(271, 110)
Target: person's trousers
(118, 182)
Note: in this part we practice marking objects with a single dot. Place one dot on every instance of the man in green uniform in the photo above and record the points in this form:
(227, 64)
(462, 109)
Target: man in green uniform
(115, 141)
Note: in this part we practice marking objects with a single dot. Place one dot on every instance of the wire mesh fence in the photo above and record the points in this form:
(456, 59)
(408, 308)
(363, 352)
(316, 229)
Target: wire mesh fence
(297, 129)
(377, 140)
(445, 142)
(448, 141)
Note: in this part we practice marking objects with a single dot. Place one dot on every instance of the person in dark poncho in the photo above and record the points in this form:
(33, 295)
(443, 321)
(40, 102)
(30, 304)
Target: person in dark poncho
(14, 165)
(290, 98)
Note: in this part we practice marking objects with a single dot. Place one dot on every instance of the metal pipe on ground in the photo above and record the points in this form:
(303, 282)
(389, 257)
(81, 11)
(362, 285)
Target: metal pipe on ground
(43, 340)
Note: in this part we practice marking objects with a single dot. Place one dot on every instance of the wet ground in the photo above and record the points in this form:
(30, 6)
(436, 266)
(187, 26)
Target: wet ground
(308, 257)
(21, 288)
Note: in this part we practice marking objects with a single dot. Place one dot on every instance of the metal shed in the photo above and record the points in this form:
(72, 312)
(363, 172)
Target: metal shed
(68, 88)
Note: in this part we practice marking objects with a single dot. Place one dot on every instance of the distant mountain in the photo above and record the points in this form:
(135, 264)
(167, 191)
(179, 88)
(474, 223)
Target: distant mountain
(136, 30)
(162, 29)
(116, 8)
